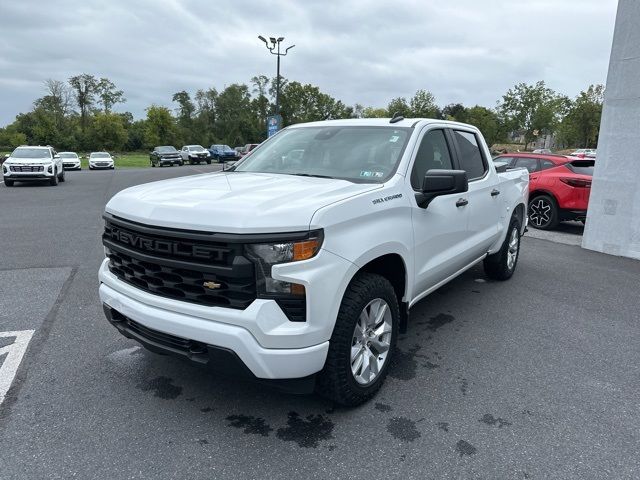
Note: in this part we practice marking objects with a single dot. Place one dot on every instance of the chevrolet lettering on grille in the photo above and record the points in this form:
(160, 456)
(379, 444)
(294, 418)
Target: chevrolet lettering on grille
(165, 247)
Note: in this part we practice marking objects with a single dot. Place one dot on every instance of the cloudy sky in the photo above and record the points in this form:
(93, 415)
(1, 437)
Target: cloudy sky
(361, 51)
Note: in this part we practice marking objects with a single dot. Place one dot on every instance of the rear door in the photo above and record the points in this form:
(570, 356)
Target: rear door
(484, 201)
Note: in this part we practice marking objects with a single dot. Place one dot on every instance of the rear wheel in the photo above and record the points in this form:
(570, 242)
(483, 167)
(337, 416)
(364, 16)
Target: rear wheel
(543, 212)
(502, 264)
(362, 343)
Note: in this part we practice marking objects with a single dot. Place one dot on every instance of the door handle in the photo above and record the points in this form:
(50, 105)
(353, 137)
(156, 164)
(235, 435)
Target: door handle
(495, 193)
(462, 202)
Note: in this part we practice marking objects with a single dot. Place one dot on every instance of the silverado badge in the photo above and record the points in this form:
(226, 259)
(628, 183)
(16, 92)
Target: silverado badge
(211, 285)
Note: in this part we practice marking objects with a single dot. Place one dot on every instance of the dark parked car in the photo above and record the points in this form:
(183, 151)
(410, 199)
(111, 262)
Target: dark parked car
(221, 153)
(165, 155)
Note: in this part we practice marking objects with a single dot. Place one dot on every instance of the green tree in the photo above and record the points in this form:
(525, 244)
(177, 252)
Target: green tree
(532, 109)
(108, 94)
(487, 122)
(205, 120)
(456, 112)
(581, 126)
(107, 132)
(84, 87)
(423, 105)
(398, 106)
(235, 124)
(306, 103)
(160, 127)
(371, 112)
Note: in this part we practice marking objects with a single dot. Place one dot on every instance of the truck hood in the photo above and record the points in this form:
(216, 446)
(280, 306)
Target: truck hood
(233, 202)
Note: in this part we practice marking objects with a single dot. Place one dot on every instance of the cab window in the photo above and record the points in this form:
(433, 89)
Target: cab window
(433, 153)
(470, 157)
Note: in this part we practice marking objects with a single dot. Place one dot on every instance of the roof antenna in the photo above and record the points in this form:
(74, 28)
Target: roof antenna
(397, 117)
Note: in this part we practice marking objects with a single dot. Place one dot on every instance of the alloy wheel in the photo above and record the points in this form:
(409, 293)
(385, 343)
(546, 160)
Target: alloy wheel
(512, 252)
(540, 212)
(371, 341)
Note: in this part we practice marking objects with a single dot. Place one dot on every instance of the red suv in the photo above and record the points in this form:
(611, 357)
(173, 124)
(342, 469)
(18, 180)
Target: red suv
(559, 187)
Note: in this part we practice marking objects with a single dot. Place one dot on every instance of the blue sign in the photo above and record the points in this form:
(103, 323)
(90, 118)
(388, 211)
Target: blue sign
(274, 123)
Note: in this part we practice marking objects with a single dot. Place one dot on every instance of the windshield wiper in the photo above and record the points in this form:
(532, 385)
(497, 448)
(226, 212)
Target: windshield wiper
(311, 175)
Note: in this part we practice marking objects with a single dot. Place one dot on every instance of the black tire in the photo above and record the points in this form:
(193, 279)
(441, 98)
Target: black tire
(8, 183)
(336, 381)
(498, 265)
(209, 162)
(90, 167)
(543, 212)
(53, 181)
(61, 178)
(152, 164)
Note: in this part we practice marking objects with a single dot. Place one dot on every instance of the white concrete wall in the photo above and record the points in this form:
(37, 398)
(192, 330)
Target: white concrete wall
(613, 219)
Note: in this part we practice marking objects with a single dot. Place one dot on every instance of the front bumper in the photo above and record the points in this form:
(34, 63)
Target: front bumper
(25, 176)
(101, 164)
(263, 338)
(72, 165)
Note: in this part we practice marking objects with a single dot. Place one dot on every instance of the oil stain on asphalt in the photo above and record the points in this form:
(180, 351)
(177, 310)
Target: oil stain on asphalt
(403, 429)
(306, 432)
(383, 407)
(465, 448)
(162, 387)
(250, 425)
(403, 364)
(491, 420)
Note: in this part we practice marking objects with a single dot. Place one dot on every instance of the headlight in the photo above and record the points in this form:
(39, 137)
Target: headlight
(266, 255)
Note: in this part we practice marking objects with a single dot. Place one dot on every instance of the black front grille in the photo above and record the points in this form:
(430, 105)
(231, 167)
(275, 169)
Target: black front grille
(27, 168)
(179, 264)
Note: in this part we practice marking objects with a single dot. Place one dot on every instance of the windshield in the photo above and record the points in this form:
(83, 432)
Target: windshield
(68, 155)
(166, 149)
(359, 154)
(195, 148)
(100, 155)
(31, 153)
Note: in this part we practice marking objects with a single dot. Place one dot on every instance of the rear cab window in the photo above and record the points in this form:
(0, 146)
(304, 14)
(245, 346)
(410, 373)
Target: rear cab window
(470, 155)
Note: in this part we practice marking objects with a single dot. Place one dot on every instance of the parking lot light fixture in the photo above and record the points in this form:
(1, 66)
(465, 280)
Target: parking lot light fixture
(274, 49)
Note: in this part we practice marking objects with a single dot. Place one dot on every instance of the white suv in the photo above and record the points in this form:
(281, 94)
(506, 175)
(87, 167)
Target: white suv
(28, 164)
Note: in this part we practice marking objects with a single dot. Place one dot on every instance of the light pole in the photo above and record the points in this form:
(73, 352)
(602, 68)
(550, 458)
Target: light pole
(275, 45)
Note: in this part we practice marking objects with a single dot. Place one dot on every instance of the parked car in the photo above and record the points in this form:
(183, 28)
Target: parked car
(584, 153)
(27, 164)
(246, 150)
(545, 151)
(300, 270)
(220, 153)
(559, 187)
(165, 155)
(195, 154)
(100, 160)
(70, 161)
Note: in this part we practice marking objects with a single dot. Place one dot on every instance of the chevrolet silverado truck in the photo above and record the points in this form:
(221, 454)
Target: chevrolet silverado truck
(299, 265)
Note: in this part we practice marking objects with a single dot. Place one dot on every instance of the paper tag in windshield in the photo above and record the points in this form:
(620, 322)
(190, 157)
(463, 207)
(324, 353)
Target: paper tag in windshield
(394, 139)
(366, 173)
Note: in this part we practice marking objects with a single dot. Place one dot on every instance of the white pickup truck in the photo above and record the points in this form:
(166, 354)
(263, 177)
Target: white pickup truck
(299, 266)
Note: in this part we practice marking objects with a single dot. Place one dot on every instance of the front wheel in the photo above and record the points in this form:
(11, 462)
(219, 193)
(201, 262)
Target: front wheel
(209, 162)
(61, 178)
(8, 183)
(502, 264)
(363, 341)
(53, 181)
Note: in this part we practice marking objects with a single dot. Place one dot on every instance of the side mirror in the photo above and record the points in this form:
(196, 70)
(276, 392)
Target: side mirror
(441, 182)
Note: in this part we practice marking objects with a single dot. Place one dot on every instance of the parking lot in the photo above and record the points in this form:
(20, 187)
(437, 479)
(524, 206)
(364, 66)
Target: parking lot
(536, 377)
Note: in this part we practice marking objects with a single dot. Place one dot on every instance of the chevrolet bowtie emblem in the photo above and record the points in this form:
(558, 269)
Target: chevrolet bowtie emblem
(211, 285)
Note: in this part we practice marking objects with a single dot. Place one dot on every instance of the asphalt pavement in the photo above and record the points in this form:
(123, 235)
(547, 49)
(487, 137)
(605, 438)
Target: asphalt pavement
(536, 377)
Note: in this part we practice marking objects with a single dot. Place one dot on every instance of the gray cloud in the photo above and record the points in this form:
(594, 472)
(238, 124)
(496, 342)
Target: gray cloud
(361, 51)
